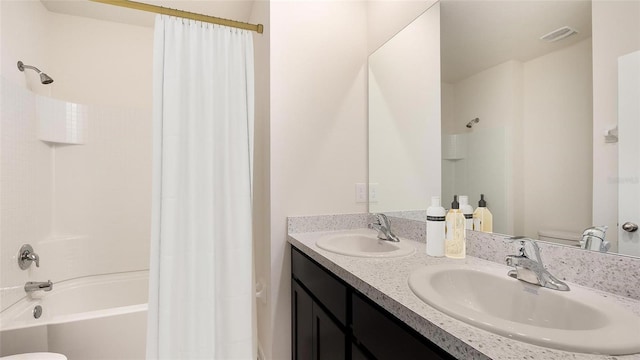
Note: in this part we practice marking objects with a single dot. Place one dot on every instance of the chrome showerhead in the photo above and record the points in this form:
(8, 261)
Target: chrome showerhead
(474, 121)
(44, 78)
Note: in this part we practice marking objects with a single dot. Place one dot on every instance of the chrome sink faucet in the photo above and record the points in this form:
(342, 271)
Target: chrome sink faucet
(32, 286)
(594, 238)
(529, 267)
(383, 225)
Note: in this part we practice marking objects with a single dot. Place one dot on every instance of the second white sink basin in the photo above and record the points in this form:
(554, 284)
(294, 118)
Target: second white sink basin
(364, 243)
(578, 320)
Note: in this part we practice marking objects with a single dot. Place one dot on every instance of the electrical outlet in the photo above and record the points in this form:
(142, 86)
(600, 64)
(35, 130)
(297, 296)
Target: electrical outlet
(361, 193)
(373, 192)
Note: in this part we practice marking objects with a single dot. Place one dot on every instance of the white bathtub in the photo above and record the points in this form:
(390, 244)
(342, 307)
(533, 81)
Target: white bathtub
(94, 317)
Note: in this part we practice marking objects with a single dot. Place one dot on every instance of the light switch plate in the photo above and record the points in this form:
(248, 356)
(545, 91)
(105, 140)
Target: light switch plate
(361, 193)
(373, 192)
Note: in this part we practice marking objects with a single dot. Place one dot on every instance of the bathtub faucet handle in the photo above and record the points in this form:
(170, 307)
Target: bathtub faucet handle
(27, 256)
(35, 258)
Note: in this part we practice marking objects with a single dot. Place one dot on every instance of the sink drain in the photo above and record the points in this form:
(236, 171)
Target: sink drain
(37, 311)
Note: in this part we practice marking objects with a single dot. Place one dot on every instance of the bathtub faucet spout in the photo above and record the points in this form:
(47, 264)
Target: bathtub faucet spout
(32, 286)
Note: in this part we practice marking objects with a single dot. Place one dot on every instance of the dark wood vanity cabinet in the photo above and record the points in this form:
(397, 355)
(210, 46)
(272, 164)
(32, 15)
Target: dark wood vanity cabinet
(318, 312)
(316, 335)
(331, 320)
(301, 323)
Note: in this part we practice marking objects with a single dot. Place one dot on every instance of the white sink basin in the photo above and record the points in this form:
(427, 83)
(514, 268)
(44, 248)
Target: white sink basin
(577, 320)
(364, 243)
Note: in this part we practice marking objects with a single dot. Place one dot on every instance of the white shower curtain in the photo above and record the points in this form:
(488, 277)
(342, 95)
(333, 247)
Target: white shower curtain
(201, 273)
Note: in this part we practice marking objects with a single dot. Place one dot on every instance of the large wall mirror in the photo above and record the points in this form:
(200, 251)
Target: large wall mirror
(471, 99)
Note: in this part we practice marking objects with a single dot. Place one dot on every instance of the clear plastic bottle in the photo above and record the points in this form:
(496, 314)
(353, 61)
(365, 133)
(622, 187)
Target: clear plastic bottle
(435, 227)
(482, 217)
(455, 234)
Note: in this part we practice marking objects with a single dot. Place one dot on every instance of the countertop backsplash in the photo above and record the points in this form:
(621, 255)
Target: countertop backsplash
(617, 274)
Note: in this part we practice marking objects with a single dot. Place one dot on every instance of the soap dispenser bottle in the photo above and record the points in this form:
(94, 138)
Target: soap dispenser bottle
(467, 211)
(482, 217)
(435, 227)
(455, 235)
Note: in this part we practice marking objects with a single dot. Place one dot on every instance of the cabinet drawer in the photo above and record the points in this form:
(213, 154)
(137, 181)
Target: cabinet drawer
(329, 291)
(386, 337)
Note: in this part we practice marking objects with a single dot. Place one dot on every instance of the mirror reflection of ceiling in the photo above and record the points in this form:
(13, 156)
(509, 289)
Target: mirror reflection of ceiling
(513, 34)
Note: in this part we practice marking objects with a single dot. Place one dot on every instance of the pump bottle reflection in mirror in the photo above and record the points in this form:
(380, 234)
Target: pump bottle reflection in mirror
(482, 217)
(455, 233)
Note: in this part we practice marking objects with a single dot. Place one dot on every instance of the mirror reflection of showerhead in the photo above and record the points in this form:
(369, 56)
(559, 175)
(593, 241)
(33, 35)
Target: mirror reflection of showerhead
(474, 121)
(44, 78)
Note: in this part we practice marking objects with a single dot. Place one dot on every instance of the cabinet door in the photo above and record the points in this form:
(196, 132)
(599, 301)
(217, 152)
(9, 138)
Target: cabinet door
(329, 341)
(356, 354)
(301, 323)
(326, 289)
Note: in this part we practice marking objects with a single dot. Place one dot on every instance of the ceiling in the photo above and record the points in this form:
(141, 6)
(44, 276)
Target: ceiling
(238, 10)
(479, 34)
(475, 34)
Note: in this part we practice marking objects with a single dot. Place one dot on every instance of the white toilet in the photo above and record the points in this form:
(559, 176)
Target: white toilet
(35, 356)
(560, 237)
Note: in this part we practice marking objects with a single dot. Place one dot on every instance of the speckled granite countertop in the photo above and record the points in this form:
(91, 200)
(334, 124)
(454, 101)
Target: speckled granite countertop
(385, 282)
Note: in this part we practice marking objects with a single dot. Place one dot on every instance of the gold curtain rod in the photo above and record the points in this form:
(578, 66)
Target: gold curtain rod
(259, 28)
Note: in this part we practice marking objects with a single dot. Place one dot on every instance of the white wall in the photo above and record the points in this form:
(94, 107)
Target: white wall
(26, 191)
(493, 96)
(404, 117)
(318, 121)
(557, 151)
(318, 142)
(26, 165)
(100, 62)
(78, 201)
(102, 197)
(534, 128)
(385, 18)
(629, 149)
(616, 32)
(88, 59)
(25, 27)
(261, 218)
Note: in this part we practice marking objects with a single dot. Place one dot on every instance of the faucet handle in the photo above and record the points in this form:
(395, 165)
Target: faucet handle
(26, 256)
(383, 226)
(35, 258)
(383, 220)
(527, 246)
(521, 240)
